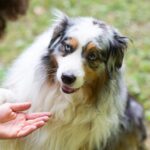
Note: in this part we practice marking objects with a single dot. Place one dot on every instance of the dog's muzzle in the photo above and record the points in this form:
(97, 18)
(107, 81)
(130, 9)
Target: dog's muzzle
(67, 81)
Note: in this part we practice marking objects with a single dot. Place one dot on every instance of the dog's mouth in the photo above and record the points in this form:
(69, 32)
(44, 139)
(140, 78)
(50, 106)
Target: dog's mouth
(69, 90)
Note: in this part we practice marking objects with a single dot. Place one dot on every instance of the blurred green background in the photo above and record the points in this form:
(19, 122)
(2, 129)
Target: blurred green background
(131, 17)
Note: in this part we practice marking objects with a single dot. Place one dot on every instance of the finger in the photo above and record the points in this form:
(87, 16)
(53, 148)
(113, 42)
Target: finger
(20, 106)
(39, 124)
(25, 131)
(29, 129)
(12, 116)
(37, 115)
(31, 122)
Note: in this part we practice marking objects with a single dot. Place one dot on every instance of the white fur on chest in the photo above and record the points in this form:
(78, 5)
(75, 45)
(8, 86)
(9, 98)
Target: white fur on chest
(75, 126)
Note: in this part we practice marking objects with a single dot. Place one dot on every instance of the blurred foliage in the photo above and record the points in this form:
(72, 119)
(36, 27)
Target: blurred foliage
(131, 17)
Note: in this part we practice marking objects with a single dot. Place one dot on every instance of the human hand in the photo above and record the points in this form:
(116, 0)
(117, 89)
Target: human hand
(15, 124)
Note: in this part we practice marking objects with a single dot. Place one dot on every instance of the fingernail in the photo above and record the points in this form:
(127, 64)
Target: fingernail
(48, 114)
(46, 118)
(42, 122)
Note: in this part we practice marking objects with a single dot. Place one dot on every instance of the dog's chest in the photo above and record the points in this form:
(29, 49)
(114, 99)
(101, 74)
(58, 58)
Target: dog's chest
(74, 126)
(78, 133)
(65, 134)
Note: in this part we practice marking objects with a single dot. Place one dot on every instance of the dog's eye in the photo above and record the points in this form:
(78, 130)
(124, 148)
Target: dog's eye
(92, 56)
(68, 48)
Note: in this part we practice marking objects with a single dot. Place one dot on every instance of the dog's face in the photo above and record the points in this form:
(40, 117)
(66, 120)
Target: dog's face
(83, 51)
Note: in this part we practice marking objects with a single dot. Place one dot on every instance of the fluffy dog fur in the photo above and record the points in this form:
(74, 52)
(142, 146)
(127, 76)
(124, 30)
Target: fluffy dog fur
(74, 70)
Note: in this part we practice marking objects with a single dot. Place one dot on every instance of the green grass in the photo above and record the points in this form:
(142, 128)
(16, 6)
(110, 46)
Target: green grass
(131, 17)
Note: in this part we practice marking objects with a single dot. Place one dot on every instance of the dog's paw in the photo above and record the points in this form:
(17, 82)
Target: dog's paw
(6, 96)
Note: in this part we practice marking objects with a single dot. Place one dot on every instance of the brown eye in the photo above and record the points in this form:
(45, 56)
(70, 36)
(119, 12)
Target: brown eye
(92, 56)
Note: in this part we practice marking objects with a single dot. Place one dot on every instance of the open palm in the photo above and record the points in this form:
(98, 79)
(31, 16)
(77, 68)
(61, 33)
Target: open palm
(18, 124)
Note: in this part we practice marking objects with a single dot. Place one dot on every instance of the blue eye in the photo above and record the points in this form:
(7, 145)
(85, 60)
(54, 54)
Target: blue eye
(68, 48)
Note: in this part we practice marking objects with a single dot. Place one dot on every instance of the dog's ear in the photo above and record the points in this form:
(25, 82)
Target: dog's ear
(116, 50)
(59, 27)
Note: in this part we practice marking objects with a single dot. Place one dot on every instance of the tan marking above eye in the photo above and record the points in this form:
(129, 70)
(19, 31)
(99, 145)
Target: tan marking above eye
(72, 42)
(90, 46)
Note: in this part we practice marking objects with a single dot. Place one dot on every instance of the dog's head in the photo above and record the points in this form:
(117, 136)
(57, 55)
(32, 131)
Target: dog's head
(83, 51)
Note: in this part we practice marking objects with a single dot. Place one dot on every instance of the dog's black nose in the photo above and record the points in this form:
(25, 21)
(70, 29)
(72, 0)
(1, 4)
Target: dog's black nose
(68, 79)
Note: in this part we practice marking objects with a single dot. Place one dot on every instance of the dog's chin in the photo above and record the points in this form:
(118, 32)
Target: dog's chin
(69, 90)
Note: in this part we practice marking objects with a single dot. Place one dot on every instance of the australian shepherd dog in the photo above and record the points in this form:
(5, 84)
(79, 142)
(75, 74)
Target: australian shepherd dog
(75, 71)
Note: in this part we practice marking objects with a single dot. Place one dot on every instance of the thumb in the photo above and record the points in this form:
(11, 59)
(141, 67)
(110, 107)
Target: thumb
(20, 106)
